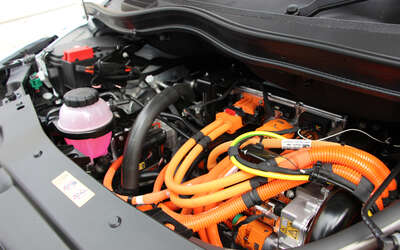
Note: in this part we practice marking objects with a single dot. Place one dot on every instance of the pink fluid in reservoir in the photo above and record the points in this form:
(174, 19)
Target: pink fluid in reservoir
(92, 147)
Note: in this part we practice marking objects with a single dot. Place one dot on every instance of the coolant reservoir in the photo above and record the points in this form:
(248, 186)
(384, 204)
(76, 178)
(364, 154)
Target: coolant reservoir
(85, 121)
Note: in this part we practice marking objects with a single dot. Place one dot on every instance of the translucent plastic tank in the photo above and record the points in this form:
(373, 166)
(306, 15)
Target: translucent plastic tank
(85, 121)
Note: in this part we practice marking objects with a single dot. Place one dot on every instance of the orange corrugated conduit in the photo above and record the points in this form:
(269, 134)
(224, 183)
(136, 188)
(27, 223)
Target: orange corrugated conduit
(218, 195)
(230, 208)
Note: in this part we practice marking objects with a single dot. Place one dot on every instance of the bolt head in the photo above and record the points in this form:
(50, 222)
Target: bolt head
(290, 194)
(125, 55)
(149, 79)
(38, 154)
(47, 96)
(292, 9)
(114, 221)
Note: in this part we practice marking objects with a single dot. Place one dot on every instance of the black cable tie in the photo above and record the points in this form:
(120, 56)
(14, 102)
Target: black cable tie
(198, 136)
(286, 131)
(251, 198)
(233, 151)
(204, 141)
(259, 145)
(323, 173)
(374, 208)
(386, 201)
(268, 166)
(393, 194)
(371, 202)
(257, 181)
(364, 189)
(327, 167)
(129, 200)
(314, 175)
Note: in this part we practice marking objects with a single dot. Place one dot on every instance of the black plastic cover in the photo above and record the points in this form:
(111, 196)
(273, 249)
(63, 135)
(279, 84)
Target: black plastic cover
(32, 161)
(356, 60)
(339, 211)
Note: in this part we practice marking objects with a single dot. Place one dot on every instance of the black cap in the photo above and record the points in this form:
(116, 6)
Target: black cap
(81, 97)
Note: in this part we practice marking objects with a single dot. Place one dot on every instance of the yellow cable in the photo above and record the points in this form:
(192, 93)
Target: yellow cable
(257, 172)
(271, 175)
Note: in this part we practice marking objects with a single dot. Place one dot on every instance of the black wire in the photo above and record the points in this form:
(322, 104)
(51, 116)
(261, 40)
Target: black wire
(376, 231)
(285, 131)
(176, 117)
(269, 112)
(149, 175)
(268, 168)
(195, 119)
(4, 78)
(54, 63)
(54, 59)
(51, 111)
(222, 97)
(55, 56)
(136, 101)
(251, 218)
(92, 81)
(187, 137)
(163, 119)
(278, 169)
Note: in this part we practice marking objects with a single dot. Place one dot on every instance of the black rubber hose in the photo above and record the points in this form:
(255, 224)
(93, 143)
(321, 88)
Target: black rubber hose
(149, 175)
(133, 147)
(165, 115)
(177, 117)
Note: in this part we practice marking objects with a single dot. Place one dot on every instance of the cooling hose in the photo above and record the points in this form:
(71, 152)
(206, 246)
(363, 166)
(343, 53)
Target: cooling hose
(133, 146)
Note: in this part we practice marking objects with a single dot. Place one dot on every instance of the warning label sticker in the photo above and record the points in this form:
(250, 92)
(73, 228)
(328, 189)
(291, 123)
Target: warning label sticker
(295, 144)
(288, 229)
(73, 188)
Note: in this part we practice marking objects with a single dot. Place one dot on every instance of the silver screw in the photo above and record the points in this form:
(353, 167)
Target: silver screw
(290, 194)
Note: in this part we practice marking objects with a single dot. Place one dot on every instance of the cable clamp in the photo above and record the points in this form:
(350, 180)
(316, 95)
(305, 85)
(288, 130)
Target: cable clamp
(315, 175)
(233, 151)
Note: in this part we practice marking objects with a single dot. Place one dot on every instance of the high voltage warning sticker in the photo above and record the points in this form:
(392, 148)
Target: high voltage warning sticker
(288, 230)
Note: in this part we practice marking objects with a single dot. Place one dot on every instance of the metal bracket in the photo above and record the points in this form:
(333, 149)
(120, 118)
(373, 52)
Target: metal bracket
(300, 109)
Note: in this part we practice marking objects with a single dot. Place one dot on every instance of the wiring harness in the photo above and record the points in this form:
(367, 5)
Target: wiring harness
(233, 184)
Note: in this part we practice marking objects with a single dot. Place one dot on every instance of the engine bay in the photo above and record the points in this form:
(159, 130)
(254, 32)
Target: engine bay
(208, 148)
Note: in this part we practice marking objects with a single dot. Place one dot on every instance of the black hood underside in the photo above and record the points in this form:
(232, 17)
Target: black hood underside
(359, 58)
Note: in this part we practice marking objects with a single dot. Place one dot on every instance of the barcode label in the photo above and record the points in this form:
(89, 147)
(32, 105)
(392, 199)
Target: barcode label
(295, 144)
